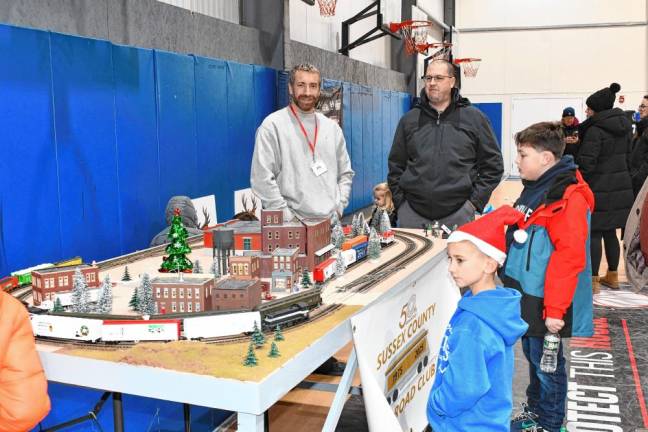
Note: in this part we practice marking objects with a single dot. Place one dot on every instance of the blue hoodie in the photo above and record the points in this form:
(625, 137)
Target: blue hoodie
(473, 386)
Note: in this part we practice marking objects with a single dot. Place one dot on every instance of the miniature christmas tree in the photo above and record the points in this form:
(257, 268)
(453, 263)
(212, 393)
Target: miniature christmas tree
(145, 296)
(134, 301)
(340, 266)
(278, 335)
(373, 249)
(197, 268)
(306, 280)
(215, 268)
(178, 248)
(337, 236)
(80, 294)
(376, 219)
(335, 220)
(104, 304)
(274, 351)
(257, 336)
(355, 226)
(126, 277)
(361, 224)
(58, 306)
(366, 230)
(250, 359)
(385, 225)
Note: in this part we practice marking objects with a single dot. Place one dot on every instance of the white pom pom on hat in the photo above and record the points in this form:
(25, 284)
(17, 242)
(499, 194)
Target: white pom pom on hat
(520, 236)
(488, 232)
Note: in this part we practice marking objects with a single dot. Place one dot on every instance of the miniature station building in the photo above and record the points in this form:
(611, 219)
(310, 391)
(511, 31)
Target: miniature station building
(283, 248)
(191, 294)
(46, 283)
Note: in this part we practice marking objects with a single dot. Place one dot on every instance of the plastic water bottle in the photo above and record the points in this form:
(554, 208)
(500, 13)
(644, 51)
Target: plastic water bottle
(549, 361)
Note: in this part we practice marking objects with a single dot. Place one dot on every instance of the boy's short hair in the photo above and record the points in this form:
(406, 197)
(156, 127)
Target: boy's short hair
(543, 136)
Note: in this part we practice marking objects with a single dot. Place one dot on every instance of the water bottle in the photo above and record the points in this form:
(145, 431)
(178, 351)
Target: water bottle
(549, 360)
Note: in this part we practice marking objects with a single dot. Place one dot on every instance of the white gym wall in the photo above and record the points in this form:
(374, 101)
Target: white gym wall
(535, 73)
(307, 26)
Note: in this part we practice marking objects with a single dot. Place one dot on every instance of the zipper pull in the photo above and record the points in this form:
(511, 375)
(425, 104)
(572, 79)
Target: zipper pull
(438, 118)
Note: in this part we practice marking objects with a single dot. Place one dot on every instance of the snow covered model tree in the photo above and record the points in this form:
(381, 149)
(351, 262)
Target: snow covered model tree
(134, 301)
(355, 226)
(340, 267)
(104, 305)
(274, 351)
(126, 277)
(306, 281)
(80, 293)
(373, 249)
(146, 301)
(58, 306)
(257, 336)
(337, 236)
(278, 335)
(250, 358)
(178, 248)
(197, 268)
(366, 230)
(335, 220)
(385, 225)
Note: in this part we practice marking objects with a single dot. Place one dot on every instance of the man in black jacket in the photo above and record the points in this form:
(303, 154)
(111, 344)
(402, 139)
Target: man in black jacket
(445, 161)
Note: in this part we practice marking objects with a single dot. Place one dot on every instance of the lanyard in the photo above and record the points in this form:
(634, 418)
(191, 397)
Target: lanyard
(301, 126)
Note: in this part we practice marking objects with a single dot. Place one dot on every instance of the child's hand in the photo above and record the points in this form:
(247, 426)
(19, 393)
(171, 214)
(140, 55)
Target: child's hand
(554, 324)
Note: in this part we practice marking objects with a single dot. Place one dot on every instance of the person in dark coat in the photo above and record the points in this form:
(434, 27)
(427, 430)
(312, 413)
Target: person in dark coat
(569, 125)
(603, 160)
(445, 160)
(639, 159)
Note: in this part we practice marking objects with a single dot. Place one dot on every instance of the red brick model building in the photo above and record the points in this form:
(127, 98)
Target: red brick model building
(187, 295)
(47, 282)
(231, 293)
(244, 267)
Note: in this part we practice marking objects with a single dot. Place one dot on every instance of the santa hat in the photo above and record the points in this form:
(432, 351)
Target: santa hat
(488, 232)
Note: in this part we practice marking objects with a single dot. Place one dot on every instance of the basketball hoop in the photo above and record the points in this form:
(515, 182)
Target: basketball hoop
(470, 66)
(415, 34)
(327, 7)
(443, 52)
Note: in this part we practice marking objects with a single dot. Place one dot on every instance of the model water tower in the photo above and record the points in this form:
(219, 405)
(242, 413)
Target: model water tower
(223, 246)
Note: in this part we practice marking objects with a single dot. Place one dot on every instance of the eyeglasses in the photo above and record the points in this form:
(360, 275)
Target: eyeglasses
(642, 106)
(438, 78)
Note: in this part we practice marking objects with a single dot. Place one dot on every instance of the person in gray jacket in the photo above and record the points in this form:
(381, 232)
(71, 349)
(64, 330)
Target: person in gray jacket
(445, 160)
(300, 163)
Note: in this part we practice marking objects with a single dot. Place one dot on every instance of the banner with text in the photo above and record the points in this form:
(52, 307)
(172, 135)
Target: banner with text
(397, 340)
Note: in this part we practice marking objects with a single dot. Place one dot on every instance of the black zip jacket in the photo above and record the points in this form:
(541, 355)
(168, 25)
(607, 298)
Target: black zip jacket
(438, 161)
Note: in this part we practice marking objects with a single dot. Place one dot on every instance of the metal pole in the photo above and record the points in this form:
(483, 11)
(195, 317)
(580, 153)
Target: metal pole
(118, 412)
(187, 417)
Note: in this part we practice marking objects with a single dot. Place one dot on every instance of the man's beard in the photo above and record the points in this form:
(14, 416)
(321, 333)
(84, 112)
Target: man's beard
(305, 106)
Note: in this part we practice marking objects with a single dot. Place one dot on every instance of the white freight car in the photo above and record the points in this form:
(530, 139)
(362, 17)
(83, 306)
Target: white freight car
(136, 331)
(62, 327)
(349, 256)
(225, 324)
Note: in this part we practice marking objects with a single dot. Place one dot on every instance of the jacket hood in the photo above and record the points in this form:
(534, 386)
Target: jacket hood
(456, 100)
(613, 121)
(500, 309)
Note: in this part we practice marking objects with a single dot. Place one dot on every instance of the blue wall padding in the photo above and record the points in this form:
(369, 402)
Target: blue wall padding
(29, 204)
(493, 111)
(178, 153)
(137, 152)
(97, 137)
(84, 122)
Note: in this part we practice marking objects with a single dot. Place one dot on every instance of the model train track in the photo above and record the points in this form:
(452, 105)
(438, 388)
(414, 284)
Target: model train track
(393, 265)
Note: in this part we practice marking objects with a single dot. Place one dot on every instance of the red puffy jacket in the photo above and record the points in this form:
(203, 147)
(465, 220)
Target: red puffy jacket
(23, 387)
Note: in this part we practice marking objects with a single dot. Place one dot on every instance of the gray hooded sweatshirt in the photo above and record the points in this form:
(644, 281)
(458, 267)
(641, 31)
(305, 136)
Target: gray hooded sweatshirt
(282, 175)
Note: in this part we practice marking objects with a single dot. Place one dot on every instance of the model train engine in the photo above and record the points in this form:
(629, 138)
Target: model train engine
(290, 310)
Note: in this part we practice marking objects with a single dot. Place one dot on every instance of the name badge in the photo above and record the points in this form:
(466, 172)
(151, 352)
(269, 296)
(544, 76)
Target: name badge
(319, 168)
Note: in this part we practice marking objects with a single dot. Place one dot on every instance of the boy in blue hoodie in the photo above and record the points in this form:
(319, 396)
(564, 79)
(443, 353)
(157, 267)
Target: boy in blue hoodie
(472, 390)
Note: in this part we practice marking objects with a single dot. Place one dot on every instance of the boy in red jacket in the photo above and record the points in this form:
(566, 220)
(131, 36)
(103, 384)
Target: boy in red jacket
(550, 265)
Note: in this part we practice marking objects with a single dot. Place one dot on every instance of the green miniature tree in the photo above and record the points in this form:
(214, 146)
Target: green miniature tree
(58, 306)
(257, 336)
(306, 281)
(178, 248)
(373, 249)
(250, 358)
(134, 301)
(126, 277)
(278, 335)
(274, 351)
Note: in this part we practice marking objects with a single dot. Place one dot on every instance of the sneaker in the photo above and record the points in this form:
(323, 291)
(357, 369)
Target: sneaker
(524, 420)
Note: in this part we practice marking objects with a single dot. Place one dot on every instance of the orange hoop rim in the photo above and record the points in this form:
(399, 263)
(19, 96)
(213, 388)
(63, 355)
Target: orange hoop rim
(396, 26)
(466, 60)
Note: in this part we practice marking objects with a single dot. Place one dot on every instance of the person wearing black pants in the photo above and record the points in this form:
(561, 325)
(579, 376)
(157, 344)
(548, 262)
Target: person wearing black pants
(603, 160)
(612, 253)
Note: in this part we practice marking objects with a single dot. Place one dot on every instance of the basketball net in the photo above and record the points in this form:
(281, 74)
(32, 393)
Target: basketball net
(327, 7)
